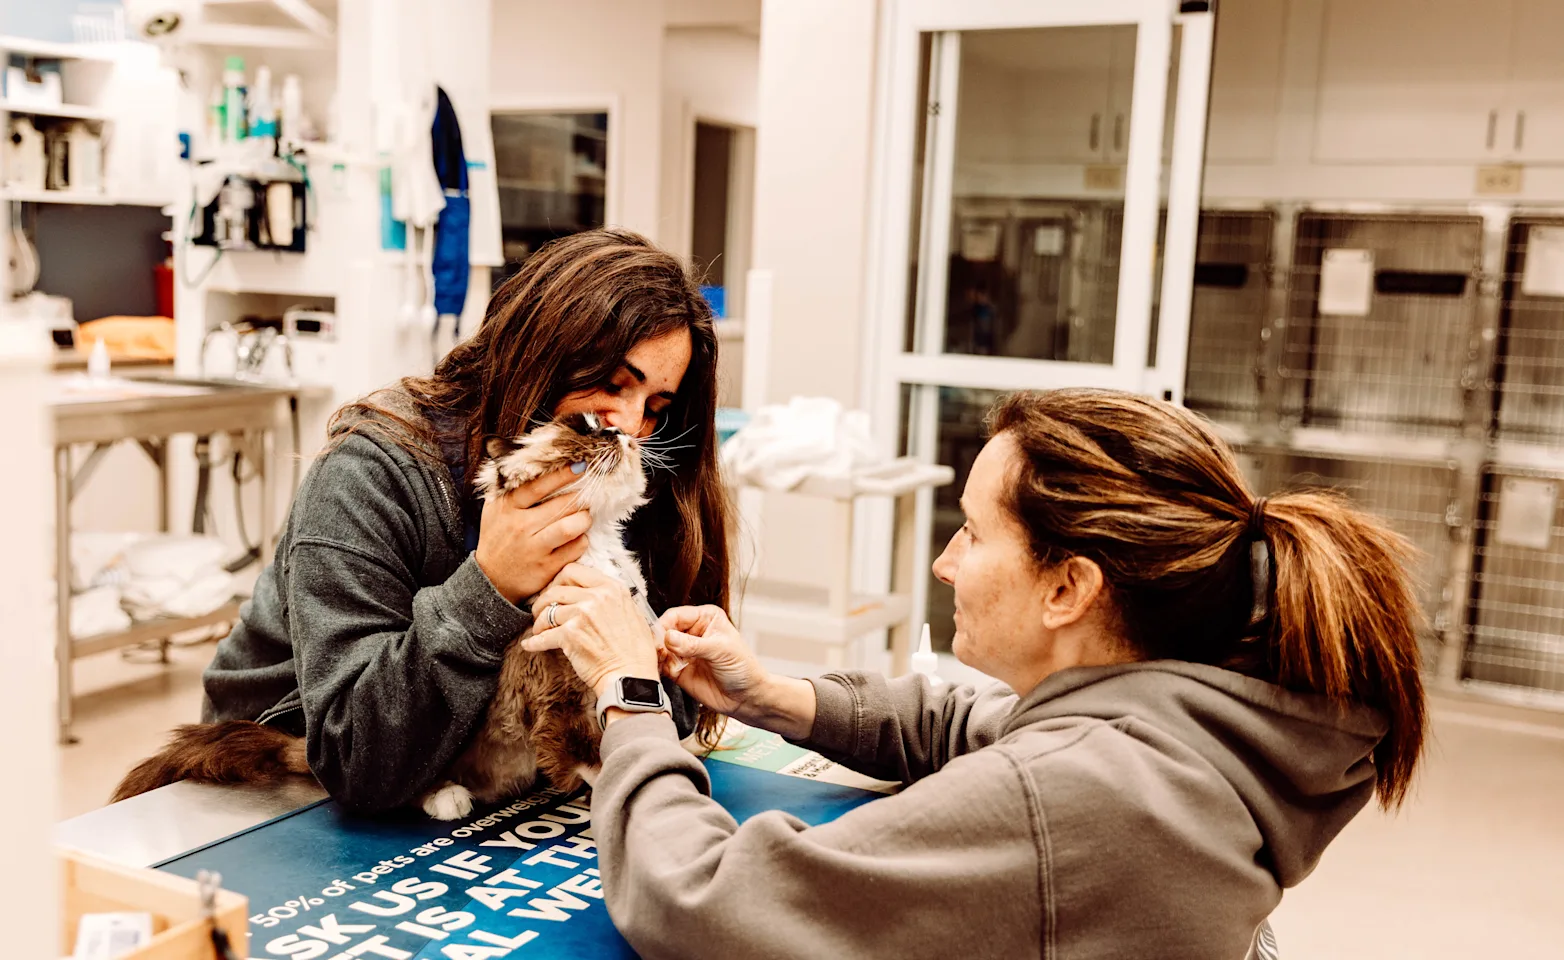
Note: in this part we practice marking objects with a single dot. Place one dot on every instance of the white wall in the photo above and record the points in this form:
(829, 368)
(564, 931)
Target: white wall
(817, 62)
(709, 74)
(27, 653)
(817, 66)
(585, 54)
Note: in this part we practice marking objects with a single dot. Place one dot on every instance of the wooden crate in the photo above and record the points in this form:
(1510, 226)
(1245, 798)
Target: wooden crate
(180, 930)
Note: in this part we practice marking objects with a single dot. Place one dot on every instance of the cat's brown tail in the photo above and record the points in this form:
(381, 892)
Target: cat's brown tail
(232, 751)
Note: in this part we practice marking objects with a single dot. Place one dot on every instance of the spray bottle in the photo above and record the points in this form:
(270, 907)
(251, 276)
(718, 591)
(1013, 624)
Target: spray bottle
(234, 126)
(925, 660)
(263, 110)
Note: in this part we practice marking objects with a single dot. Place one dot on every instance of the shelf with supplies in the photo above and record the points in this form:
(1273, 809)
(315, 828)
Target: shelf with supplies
(11, 195)
(834, 614)
(181, 913)
(48, 50)
(64, 111)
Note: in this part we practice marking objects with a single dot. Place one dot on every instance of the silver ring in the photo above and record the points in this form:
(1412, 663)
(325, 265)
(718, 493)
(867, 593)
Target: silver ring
(549, 614)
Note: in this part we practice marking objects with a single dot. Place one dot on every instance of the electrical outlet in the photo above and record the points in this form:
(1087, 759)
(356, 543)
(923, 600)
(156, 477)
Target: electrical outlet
(1102, 177)
(1499, 179)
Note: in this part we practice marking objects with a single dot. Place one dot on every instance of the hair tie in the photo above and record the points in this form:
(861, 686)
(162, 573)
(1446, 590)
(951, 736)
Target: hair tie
(1259, 563)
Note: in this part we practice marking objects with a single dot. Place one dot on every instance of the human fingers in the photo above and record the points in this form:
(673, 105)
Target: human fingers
(688, 646)
(547, 640)
(565, 529)
(694, 620)
(530, 493)
(571, 552)
(579, 575)
(555, 595)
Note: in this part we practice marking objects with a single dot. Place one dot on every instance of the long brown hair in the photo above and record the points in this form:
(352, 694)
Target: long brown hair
(563, 323)
(1150, 494)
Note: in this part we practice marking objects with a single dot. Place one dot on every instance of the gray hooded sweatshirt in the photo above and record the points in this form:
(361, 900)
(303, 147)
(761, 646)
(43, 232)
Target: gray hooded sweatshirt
(1145, 810)
(374, 634)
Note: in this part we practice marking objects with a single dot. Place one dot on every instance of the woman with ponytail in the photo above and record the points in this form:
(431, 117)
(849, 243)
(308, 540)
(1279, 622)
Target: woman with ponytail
(1199, 688)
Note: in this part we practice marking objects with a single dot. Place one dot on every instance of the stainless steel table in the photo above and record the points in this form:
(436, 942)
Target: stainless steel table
(177, 818)
(149, 411)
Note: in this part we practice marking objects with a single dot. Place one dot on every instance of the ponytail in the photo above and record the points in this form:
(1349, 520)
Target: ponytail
(1149, 493)
(1344, 621)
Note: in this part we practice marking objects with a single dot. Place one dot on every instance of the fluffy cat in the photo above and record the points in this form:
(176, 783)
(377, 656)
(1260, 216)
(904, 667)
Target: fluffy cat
(543, 718)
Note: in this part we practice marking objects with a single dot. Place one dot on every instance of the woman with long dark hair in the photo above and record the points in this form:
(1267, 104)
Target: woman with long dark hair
(378, 630)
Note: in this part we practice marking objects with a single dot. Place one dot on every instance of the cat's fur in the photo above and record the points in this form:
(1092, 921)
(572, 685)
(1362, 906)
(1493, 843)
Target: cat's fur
(543, 718)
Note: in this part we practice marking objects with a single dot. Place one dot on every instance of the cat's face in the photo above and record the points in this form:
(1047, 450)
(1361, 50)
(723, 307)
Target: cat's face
(612, 484)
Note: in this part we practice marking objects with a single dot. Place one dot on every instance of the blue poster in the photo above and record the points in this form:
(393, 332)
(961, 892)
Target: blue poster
(517, 879)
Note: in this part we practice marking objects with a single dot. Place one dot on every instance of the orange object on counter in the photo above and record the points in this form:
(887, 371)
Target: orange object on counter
(140, 338)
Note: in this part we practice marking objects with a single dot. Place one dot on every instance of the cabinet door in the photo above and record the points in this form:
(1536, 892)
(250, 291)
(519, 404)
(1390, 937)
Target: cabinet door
(1035, 96)
(1413, 81)
(1246, 82)
(1537, 83)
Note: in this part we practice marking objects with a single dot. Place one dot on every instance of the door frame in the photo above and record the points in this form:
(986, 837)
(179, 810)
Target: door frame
(887, 367)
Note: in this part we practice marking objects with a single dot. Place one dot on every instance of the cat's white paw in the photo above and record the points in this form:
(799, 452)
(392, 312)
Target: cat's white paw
(588, 774)
(449, 802)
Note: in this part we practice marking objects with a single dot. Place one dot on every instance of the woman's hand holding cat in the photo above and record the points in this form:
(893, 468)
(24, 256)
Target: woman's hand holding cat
(523, 544)
(709, 659)
(599, 627)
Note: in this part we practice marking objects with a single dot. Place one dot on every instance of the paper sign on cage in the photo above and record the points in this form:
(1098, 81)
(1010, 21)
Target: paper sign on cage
(1346, 282)
(980, 242)
(1543, 275)
(1526, 513)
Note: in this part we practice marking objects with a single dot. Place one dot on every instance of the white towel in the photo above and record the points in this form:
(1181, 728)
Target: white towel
(98, 611)
(781, 446)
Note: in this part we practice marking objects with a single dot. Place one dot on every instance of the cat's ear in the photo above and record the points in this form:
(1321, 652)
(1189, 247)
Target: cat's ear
(497, 447)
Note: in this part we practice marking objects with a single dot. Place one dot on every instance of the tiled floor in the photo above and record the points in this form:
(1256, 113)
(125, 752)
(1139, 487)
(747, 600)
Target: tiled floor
(1473, 867)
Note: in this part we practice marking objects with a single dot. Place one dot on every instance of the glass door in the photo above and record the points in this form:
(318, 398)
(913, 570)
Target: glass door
(1040, 177)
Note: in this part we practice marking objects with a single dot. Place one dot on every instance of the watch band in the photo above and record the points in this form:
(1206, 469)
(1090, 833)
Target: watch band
(633, 695)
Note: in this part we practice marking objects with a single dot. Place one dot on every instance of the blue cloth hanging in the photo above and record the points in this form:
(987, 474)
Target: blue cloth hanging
(451, 264)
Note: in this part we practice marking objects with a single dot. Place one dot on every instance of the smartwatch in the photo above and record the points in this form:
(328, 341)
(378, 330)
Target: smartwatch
(634, 695)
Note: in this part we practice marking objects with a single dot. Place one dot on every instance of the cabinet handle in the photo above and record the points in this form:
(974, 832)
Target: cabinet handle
(1118, 133)
(1096, 135)
(1493, 127)
(1520, 129)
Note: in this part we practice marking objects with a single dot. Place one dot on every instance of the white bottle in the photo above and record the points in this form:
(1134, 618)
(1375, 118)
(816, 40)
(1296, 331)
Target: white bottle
(85, 151)
(291, 118)
(263, 109)
(26, 166)
(98, 360)
(925, 660)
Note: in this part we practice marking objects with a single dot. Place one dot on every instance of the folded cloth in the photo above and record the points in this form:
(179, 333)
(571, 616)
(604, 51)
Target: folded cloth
(181, 557)
(149, 597)
(98, 611)
(98, 558)
(781, 446)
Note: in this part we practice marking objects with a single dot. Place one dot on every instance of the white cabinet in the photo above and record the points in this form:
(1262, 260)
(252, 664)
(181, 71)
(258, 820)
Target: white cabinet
(1412, 81)
(1047, 95)
(1441, 81)
(1246, 82)
(1536, 133)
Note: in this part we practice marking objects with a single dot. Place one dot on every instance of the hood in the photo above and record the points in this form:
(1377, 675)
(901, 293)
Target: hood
(1300, 764)
(393, 421)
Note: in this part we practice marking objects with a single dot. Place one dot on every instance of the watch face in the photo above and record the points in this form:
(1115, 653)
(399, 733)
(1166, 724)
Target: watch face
(641, 692)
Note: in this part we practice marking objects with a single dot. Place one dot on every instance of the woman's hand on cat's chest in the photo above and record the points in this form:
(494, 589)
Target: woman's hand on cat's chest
(600, 627)
(523, 544)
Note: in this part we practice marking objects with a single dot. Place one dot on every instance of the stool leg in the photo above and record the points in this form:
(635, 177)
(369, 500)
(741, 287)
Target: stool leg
(62, 587)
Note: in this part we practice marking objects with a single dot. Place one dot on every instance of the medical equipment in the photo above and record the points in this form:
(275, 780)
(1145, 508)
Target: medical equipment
(253, 214)
(26, 166)
(924, 659)
(174, 22)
